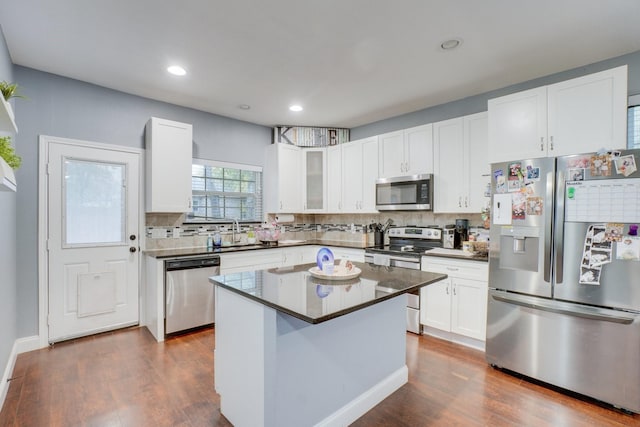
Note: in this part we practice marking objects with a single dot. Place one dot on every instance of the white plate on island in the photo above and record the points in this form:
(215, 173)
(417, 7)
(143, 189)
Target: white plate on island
(339, 273)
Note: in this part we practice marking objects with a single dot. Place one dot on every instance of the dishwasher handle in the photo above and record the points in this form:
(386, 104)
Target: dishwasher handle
(186, 264)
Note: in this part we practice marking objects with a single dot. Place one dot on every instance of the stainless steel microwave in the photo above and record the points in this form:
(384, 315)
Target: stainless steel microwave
(405, 193)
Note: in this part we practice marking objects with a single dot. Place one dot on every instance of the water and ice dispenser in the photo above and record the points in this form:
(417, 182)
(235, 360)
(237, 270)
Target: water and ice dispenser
(520, 248)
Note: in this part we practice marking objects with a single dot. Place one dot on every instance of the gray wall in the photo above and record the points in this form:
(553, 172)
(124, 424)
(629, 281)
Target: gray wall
(68, 108)
(8, 303)
(478, 103)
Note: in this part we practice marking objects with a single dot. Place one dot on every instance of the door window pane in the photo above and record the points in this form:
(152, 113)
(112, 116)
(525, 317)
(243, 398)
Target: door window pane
(94, 202)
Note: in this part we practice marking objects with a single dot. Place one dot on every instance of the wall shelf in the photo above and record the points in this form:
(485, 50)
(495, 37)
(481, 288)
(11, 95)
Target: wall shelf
(7, 121)
(7, 177)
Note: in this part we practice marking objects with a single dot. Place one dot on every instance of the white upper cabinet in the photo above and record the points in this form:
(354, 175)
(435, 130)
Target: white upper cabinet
(476, 141)
(391, 162)
(359, 174)
(575, 116)
(334, 178)
(518, 126)
(588, 113)
(168, 166)
(282, 179)
(461, 168)
(314, 180)
(406, 152)
(369, 174)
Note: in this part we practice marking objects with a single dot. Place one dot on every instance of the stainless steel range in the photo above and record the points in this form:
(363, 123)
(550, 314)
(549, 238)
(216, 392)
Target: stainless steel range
(406, 246)
(405, 249)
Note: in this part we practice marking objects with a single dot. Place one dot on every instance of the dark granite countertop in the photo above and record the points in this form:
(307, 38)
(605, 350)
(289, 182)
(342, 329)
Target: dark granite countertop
(185, 252)
(292, 290)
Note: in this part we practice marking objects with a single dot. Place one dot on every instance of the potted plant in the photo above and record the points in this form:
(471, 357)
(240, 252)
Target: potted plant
(9, 90)
(8, 153)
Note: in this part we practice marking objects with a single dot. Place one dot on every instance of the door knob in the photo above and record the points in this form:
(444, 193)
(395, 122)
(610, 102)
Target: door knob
(132, 249)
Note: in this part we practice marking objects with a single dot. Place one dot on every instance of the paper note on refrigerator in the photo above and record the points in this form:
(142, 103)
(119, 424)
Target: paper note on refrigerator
(502, 209)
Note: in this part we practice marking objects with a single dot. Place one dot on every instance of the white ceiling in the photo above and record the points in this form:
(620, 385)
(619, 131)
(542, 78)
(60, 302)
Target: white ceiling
(348, 62)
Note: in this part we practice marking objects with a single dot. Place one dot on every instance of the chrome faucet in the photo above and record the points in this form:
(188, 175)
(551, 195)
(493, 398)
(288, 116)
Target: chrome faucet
(235, 225)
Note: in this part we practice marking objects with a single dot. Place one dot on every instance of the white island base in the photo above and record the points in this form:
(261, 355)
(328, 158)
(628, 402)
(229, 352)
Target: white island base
(272, 369)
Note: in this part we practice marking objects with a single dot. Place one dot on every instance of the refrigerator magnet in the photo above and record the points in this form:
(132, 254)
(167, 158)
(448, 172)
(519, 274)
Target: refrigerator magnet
(628, 248)
(534, 205)
(501, 184)
(599, 257)
(533, 174)
(513, 185)
(501, 213)
(625, 165)
(575, 174)
(613, 232)
(589, 276)
(580, 162)
(515, 171)
(518, 207)
(600, 165)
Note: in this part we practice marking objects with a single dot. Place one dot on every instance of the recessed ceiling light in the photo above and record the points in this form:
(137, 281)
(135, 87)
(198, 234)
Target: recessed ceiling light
(450, 44)
(296, 108)
(177, 70)
(244, 106)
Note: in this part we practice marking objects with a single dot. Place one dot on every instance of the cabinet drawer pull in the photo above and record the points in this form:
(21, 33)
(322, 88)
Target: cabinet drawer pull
(452, 269)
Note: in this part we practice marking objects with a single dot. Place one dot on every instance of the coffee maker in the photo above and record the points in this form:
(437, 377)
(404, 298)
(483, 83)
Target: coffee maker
(461, 233)
(448, 236)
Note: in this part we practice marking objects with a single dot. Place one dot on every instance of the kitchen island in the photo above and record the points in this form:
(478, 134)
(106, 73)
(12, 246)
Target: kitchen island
(295, 350)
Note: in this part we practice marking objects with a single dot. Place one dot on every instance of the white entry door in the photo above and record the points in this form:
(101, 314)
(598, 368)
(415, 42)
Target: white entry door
(93, 258)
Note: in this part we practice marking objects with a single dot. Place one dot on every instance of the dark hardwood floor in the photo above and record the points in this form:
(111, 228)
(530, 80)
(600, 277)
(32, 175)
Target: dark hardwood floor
(125, 378)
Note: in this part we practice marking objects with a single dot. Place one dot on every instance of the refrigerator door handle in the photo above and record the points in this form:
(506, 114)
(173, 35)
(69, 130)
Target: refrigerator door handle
(548, 225)
(558, 233)
(569, 309)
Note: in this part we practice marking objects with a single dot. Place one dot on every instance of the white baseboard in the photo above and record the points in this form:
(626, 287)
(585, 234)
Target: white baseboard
(27, 344)
(363, 403)
(455, 338)
(8, 371)
(21, 345)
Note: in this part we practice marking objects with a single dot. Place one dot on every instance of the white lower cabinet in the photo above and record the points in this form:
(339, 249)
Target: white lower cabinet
(457, 304)
(355, 255)
(250, 260)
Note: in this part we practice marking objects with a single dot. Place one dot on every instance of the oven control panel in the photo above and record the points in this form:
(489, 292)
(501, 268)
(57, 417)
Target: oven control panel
(424, 233)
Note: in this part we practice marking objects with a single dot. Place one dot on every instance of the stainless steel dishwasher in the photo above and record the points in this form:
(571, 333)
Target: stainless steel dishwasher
(188, 294)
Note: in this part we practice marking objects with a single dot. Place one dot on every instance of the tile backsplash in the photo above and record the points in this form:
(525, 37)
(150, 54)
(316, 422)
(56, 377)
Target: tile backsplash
(167, 231)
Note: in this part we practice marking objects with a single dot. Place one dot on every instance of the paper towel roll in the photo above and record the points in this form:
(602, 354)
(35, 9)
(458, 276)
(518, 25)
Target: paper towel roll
(284, 218)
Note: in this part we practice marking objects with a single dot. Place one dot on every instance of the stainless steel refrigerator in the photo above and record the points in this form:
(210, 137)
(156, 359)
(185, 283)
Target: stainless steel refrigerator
(564, 273)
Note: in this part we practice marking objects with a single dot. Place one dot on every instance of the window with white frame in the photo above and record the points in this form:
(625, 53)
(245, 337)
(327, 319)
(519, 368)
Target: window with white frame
(225, 191)
(633, 122)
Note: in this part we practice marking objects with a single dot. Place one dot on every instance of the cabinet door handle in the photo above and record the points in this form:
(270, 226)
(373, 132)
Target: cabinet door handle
(454, 290)
(542, 143)
(280, 204)
(190, 204)
(447, 289)
(466, 201)
(460, 201)
(551, 143)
